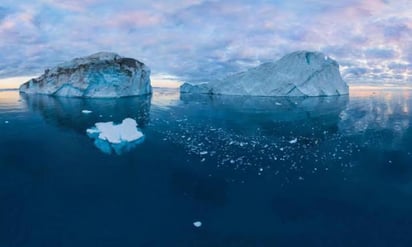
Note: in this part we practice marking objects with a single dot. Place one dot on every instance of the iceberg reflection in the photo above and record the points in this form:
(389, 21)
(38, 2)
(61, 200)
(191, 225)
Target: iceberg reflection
(268, 112)
(69, 113)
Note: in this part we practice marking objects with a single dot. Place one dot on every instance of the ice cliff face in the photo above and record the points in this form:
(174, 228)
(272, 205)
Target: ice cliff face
(300, 73)
(101, 75)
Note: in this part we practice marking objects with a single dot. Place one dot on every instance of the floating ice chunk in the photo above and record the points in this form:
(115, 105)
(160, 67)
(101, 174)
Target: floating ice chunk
(6, 122)
(203, 153)
(277, 103)
(293, 141)
(86, 111)
(118, 137)
(126, 131)
(197, 223)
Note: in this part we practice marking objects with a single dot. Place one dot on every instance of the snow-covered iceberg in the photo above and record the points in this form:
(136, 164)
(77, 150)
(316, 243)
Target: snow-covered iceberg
(119, 138)
(101, 75)
(300, 73)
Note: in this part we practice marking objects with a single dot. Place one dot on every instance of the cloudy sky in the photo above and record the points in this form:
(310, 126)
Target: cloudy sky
(197, 40)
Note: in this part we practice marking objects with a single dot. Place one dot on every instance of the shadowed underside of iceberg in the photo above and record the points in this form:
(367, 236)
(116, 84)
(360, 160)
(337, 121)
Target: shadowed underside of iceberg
(101, 75)
(299, 73)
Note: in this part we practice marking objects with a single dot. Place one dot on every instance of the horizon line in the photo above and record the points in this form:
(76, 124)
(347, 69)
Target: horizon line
(170, 81)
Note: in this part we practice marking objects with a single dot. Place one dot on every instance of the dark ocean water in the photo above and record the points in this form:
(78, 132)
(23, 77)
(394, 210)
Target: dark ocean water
(256, 171)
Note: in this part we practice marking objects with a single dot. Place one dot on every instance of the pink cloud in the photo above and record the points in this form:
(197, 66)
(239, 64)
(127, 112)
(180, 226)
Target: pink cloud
(133, 19)
(73, 5)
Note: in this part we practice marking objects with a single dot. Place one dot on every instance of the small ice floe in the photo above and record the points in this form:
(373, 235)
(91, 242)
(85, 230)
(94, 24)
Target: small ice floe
(277, 103)
(119, 138)
(86, 111)
(293, 141)
(197, 223)
(203, 153)
(6, 122)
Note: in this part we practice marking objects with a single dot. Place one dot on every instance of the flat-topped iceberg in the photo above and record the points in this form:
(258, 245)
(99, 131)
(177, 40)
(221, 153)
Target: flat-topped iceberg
(300, 73)
(101, 75)
(119, 138)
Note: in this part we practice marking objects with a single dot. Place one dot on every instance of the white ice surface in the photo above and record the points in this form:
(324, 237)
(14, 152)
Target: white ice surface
(293, 141)
(197, 223)
(119, 137)
(117, 133)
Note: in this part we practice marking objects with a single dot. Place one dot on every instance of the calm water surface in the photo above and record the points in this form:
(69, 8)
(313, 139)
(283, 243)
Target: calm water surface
(256, 171)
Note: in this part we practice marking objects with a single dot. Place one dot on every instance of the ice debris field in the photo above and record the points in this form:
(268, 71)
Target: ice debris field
(295, 155)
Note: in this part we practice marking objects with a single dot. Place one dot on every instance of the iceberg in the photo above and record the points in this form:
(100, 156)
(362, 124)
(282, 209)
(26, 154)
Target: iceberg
(119, 138)
(101, 75)
(300, 73)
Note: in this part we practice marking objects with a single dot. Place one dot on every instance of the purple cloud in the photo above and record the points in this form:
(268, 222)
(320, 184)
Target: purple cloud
(380, 53)
(197, 39)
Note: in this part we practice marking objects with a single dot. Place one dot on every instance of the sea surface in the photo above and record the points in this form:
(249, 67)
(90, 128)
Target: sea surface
(255, 171)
